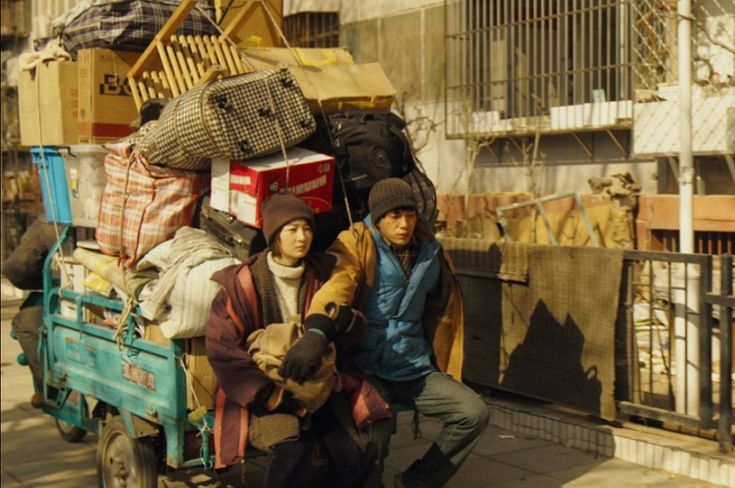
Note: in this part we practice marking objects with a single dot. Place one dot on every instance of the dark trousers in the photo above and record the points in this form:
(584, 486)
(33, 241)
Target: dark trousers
(25, 324)
(324, 456)
(463, 414)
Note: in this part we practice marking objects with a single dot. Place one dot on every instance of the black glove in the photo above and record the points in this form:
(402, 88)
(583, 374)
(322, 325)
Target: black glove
(343, 316)
(304, 358)
(274, 399)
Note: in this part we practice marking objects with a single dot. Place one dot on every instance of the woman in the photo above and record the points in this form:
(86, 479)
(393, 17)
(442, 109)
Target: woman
(280, 282)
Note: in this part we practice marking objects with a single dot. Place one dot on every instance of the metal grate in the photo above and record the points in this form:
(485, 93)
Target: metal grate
(312, 29)
(517, 64)
(713, 243)
(520, 58)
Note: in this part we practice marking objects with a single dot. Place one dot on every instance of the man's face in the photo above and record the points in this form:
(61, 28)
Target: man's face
(397, 226)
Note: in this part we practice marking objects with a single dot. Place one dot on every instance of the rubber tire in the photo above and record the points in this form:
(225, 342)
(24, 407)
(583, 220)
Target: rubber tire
(123, 461)
(68, 432)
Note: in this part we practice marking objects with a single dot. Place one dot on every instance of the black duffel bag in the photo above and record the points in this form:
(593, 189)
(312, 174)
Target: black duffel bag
(368, 146)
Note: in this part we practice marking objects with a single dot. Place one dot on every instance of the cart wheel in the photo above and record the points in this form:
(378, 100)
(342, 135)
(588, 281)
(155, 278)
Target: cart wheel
(123, 461)
(69, 432)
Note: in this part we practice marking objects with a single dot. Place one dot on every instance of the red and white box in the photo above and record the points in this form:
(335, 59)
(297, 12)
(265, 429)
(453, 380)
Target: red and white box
(239, 188)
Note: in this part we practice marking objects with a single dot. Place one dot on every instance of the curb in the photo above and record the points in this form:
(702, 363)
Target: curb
(653, 448)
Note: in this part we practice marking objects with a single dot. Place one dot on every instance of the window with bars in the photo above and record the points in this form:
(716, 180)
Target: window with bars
(312, 29)
(520, 57)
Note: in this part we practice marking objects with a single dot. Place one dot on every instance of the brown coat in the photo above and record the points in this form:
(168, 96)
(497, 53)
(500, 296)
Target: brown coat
(240, 379)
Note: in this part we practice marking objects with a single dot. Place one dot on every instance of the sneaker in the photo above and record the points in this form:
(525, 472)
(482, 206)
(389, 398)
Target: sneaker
(37, 400)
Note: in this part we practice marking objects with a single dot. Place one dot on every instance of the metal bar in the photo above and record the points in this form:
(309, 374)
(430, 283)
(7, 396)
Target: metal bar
(547, 224)
(629, 408)
(585, 218)
(582, 144)
(705, 346)
(636, 255)
(726, 329)
(616, 141)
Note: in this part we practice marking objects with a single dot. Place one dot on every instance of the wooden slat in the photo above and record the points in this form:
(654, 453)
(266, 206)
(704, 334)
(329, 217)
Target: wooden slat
(218, 51)
(143, 91)
(212, 54)
(148, 83)
(213, 72)
(177, 72)
(137, 98)
(168, 70)
(198, 61)
(207, 60)
(164, 82)
(175, 48)
(189, 58)
(158, 84)
(236, 58)
(224, 45)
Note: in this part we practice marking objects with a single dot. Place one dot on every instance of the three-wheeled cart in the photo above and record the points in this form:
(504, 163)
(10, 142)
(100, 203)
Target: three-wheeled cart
(131, 390)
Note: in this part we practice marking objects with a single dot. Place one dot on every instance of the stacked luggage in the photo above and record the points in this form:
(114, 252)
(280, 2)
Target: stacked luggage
(179, 198)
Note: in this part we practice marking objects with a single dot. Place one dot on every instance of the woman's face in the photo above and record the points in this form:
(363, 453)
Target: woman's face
(294, 242)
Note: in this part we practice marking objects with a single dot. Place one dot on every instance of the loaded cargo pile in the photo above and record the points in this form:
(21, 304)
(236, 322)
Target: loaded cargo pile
(164, 132)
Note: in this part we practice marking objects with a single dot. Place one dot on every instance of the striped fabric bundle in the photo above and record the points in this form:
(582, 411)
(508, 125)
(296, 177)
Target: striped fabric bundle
(128, 25)
(143, 205)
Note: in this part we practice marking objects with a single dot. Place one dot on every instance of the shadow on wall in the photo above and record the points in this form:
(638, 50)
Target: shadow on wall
(549, 360)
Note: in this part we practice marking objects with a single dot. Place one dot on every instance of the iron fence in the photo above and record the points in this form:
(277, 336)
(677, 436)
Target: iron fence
(674, 349)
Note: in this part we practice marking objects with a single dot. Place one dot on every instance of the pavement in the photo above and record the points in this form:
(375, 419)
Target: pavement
(32, 454)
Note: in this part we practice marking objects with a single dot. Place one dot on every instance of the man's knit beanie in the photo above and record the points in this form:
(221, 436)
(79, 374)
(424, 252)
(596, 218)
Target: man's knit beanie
(389, 194)
(280, 209)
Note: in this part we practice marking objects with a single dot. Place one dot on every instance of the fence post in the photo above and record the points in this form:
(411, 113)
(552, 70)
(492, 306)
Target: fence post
(724, 435)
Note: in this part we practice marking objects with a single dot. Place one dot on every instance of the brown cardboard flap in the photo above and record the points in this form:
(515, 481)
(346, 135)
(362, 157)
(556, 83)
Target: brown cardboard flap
(48, 104)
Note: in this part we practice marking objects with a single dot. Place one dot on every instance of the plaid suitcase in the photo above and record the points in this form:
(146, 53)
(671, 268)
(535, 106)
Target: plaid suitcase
(238, 118)
(130, 25)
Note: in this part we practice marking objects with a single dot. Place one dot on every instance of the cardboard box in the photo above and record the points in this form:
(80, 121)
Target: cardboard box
(48, 104)
(106, 105)
(331, 77)
(240, 188)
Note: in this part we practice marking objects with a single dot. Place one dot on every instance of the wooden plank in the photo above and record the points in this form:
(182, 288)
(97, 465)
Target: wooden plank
(233, 27)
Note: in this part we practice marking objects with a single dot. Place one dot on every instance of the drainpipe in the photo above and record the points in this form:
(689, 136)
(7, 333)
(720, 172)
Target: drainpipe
(686, 301)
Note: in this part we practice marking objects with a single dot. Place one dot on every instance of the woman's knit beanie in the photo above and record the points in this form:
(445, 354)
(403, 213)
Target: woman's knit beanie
(389, 194)
(280, 209)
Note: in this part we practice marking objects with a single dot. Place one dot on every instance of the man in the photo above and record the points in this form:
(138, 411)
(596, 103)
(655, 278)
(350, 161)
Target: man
(392, 269)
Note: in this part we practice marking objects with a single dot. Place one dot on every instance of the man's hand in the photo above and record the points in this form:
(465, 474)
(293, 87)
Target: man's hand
(304, 358)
